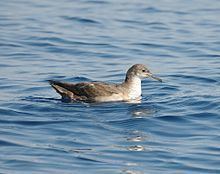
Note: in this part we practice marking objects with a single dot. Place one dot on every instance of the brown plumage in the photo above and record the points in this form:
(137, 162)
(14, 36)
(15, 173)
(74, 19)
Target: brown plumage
(103, 92)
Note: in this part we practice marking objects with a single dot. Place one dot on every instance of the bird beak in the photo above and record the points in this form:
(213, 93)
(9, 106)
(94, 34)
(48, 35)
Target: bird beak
(156, 78)
(153, 77)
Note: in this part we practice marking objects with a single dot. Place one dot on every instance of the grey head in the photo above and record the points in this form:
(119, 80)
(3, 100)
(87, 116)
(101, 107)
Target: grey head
(140, 71)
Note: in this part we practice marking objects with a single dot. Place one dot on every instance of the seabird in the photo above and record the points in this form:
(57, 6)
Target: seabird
(128, 90)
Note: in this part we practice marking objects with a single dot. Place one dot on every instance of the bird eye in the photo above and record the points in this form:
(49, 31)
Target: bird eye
(143, 70)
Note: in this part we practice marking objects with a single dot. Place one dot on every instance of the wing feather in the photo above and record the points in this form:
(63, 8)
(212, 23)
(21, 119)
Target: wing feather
(88, 90)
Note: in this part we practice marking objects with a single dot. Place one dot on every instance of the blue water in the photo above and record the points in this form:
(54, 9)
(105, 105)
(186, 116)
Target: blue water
(176, 127)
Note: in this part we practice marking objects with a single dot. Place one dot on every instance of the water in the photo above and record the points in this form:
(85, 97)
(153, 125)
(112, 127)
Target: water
(176, 128)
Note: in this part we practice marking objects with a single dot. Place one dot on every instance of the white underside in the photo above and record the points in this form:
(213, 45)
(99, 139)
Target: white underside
(135, 88)
(114, 97)
(132, 93)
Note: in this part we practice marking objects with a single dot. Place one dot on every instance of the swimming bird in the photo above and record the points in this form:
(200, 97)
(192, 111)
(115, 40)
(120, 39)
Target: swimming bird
(128, 90)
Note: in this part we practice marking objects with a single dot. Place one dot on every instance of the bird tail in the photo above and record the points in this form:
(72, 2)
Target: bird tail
(60, 89)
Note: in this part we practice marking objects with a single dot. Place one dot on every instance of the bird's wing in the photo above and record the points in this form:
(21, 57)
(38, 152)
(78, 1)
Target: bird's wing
(88, 90)
(95, 89)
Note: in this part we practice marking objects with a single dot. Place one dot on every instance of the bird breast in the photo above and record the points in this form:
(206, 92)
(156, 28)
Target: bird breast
(135, 88)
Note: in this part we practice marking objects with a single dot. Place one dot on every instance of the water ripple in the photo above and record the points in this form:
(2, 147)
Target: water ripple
(81, 20)
(174, 129)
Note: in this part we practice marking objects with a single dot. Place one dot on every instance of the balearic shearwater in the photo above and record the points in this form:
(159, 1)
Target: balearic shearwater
(129, 90)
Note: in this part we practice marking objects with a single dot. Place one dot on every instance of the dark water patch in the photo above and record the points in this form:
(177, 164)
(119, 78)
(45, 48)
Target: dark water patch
(54, 77)
(38, 44)
(135, 123)
(78, 79)
(151, 10)
(7, 86)
(200, 104)
(184, 31)
(158, 25)
(207, 55)
(69, 51)
(170, 88)
(89, 160)
(97, 2)
(193, 43)
(171, 118)
(194, 78)
(212, 10)
(158, 46)
(130, 21)
(10, 45)
(113, 56)
(22, 55)
(72, 43)
(112, 76)
(31, 123)
(81, 20)
(126, 123)
(214, 149)
(181, 13)
(7, 143)
(160, 28)
(9, 24)
(173, 134)
(12, 112)
(194, 168)
(204, 115)
(33, 89)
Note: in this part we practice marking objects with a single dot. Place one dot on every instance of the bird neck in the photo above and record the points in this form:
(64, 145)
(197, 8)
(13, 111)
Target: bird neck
(133, 84)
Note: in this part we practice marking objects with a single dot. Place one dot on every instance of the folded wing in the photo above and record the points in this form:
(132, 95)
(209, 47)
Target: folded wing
(83, 91)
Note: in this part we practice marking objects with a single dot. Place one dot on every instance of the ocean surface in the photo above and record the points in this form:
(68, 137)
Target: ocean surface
(176, 127)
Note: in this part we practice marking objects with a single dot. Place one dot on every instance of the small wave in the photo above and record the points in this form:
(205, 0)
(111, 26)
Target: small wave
(206, 55)
(97, 2)
(81, 20)
(171, 118)
(39, 99)
(152, 10)
(79, 79)
(194, 78)
(12, 112)
(33, 123)
(203, 115)
(90, 160)
(7, 143)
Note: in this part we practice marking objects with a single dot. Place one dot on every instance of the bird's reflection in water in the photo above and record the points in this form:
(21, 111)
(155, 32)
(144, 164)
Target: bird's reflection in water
(136, 148)
(131, 172)
(140, 113)
(135, 101)
(141, 110)
(136, 138)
